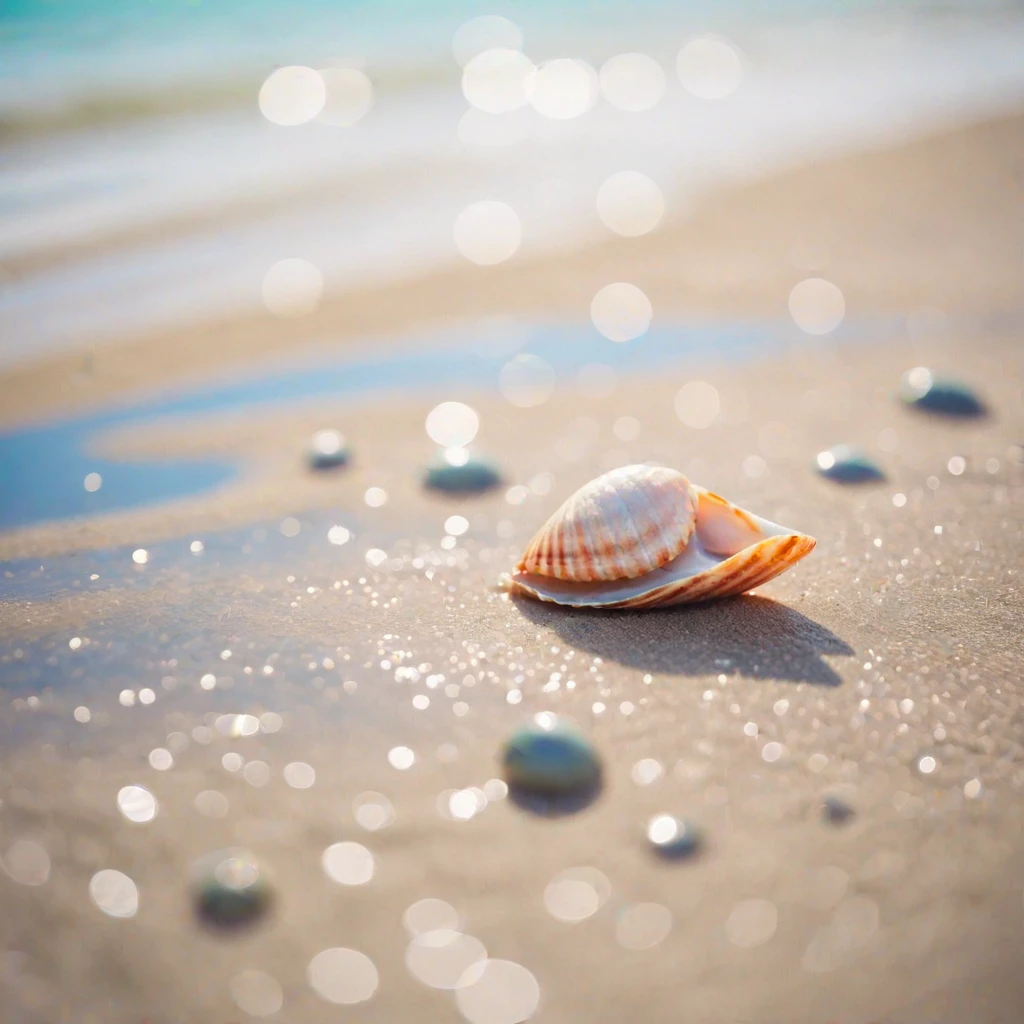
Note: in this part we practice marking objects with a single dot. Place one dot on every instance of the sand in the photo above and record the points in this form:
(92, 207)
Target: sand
(897, 640)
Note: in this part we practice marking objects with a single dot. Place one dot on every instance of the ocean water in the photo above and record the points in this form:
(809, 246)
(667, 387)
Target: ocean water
(141, 188)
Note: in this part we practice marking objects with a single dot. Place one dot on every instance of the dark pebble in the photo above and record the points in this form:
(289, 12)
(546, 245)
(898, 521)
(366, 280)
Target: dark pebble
(848, 465)
(550, 767)
(672, 838)
(230, 889)
(836, 811)
(328, 450)
(921, 389)
(446, 472)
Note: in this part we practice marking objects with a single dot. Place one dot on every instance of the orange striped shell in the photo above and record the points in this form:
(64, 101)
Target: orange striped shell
(725, 551)
(620, 526)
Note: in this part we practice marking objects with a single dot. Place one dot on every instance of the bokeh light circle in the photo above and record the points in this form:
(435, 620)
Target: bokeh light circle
(257, 993)
(487, 232)
(292, 288)
(697, 404)
(452, 424)
(114, 893)
(621, 311)
(348, 96)
(632, 81)
(137, 804)
(817, 306)
(709, 68)
(440, 958)
(497, 992)
(498, 80)
(343, 976)
(26, 862)
(526, 381)
(348, 863)
(292, 95)
(629, 203)
(563, 89)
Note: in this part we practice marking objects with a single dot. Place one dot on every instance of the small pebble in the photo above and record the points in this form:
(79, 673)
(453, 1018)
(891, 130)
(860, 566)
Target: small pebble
(921, 389)
(328, 450)
(230, 889)
(672, 838)
(836, 811)
(457, 471)
(549, 760)
(847, 465)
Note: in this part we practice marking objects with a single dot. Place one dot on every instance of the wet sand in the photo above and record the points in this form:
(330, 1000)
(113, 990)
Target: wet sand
(897, 640)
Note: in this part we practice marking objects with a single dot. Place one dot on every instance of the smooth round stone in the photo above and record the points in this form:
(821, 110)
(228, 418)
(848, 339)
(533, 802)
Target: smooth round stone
(550, 759)
(672, 838)
(847, 465)
(921, 389)
(328, 450)
(457, 471)
(836, 811)
(230, 888)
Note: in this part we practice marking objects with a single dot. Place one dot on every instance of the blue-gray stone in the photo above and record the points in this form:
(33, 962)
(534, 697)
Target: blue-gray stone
(836, 811)
(847, 465)
(672, 838)
(328, 450)
(447, 472)
(921, 389)
(551, 760)
(230, 889)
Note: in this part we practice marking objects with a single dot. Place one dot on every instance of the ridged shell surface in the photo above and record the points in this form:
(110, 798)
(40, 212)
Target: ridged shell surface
(622, 525)
(732, 551)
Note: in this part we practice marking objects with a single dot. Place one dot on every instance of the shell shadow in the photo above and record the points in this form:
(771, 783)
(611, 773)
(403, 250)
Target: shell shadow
(754, 636)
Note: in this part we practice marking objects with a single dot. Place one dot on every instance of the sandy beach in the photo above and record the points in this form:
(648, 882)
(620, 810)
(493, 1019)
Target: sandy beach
(883, 671)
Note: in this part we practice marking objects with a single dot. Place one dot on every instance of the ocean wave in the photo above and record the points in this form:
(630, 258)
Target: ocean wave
(105, 105)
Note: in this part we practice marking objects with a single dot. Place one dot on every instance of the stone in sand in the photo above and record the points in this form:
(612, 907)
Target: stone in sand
(836, 811)
(847, 465)
(456, 471)
(550, 759)
(921, 389)
(328, 450)
(230, 889)
(672, 838)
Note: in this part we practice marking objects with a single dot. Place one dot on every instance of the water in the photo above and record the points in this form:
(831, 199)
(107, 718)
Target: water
(141, 190)
(42, 468)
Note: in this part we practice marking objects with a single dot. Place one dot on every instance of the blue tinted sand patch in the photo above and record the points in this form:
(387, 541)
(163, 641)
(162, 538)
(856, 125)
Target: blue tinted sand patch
(43, 468)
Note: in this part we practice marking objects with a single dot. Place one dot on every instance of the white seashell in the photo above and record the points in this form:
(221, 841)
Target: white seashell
(644, 537)
(619, 526)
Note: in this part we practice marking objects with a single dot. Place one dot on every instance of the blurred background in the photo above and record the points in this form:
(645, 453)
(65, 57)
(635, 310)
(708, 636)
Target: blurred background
(311, 313)
(172, 163)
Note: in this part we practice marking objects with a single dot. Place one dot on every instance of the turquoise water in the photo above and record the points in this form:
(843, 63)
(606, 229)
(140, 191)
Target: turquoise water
(178, 39)
(42, 468)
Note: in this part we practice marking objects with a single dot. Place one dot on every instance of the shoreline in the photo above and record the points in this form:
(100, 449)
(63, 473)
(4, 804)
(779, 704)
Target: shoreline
(858, 221)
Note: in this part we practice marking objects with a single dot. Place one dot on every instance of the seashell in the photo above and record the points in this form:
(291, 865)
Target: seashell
(645, 537)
